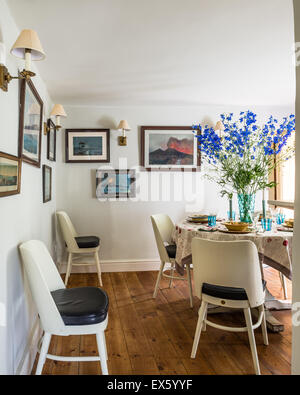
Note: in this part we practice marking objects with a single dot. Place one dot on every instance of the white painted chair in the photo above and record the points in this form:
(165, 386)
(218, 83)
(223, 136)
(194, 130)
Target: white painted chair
(77, 246)
(163, 229)
(227, 274)
(63, 312)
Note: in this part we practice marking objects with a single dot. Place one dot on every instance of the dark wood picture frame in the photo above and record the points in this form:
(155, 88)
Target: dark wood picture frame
(106, 133)
(19, 162)
(167, 128)
(51, 134)
(24, 85)
(131, 194)
(45, 198)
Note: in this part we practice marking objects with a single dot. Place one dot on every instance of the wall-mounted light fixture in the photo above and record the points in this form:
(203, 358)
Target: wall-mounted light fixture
(219, 127)
(123, 125)
(27, 47)
(58, 111)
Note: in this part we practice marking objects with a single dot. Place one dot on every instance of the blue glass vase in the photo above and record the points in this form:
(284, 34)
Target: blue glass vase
(246, 207)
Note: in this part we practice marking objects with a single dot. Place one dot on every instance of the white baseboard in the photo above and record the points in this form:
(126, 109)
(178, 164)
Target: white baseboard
(109, 266)
(26, 364)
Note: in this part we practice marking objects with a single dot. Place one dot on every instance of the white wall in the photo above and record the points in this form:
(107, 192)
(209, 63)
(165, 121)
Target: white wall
(22, 217)
(125, 227)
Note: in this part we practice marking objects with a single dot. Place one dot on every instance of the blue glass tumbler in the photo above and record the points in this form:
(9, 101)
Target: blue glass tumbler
(212, 220)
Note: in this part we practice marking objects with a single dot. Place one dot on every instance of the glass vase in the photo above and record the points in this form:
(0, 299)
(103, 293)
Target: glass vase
(246, 207)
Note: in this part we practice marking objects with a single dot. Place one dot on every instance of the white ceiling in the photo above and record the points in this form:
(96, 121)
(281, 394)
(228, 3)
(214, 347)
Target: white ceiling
(163, 52)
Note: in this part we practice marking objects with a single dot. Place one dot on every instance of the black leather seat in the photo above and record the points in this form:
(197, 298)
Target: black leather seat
(81, 306)
(171, 250)
(87, 241)
(226, 292)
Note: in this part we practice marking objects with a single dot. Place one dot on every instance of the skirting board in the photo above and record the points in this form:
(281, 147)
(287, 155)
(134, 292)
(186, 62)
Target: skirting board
(26, 364)
(138, 265)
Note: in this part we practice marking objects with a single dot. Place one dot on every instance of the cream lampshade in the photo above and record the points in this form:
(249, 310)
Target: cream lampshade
(28, 47)
(123, 125)
(58, 111)
(219, 126)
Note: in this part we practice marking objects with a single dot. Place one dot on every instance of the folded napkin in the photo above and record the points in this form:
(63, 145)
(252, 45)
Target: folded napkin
(204, 228)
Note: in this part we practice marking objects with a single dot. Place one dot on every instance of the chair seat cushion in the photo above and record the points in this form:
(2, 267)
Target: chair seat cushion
(87, 241)
(171, 250)
(230, 293)
(81, 306)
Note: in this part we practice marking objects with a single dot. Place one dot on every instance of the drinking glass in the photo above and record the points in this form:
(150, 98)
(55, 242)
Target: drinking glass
(212, 220)
(280, 218)
(266, 223)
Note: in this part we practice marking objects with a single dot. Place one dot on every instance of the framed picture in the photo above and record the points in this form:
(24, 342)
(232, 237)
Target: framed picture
(51, 141)
(87, 145)
(169, 148)
(47, 183)
(10, 174)
(30, 124)
(115, 183)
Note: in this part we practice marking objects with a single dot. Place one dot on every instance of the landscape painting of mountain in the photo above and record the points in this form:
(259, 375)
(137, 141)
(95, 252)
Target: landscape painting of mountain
(169, 148)
(166, 149)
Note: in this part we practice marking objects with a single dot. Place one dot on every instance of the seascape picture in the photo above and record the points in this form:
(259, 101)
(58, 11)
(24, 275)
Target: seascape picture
(9, 174)
(30, 125)
(32, 116)
(87, 145)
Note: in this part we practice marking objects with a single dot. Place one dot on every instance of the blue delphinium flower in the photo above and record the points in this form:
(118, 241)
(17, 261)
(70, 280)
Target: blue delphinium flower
(245, 151)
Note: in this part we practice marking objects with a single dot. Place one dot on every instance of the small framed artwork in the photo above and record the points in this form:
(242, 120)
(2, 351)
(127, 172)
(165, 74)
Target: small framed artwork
(10, 174)
(30, 124)
(87, 145)
(115, 183)
(47, 183)
(169, 148)
(51, 141)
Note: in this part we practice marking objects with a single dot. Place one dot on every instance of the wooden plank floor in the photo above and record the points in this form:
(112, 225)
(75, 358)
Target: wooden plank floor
(147, 336)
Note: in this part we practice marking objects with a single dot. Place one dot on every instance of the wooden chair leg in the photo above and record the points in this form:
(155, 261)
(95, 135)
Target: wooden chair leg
(98, 268)
(69, 266)
(102, 352)
(202, 313)
(43, 353)
(162, 265)
(248, 318)
(264, 326)
(188, 270)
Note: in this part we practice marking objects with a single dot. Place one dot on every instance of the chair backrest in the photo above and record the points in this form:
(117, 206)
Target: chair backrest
(68, 230)
(163, 229)
(43, 277)
(229, 264)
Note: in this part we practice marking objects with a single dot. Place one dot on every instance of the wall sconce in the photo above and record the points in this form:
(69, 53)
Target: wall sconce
(123, 125)
(27, 47)
(58, 111)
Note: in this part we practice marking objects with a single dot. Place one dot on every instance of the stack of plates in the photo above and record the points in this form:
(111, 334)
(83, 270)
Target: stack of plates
(198, 218)
(289, 223)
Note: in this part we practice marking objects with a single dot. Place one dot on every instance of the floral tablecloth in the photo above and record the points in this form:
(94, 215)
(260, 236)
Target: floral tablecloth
(274, 247)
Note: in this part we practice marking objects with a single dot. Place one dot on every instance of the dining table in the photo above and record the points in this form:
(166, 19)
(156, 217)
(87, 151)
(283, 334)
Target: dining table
(274, 249)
